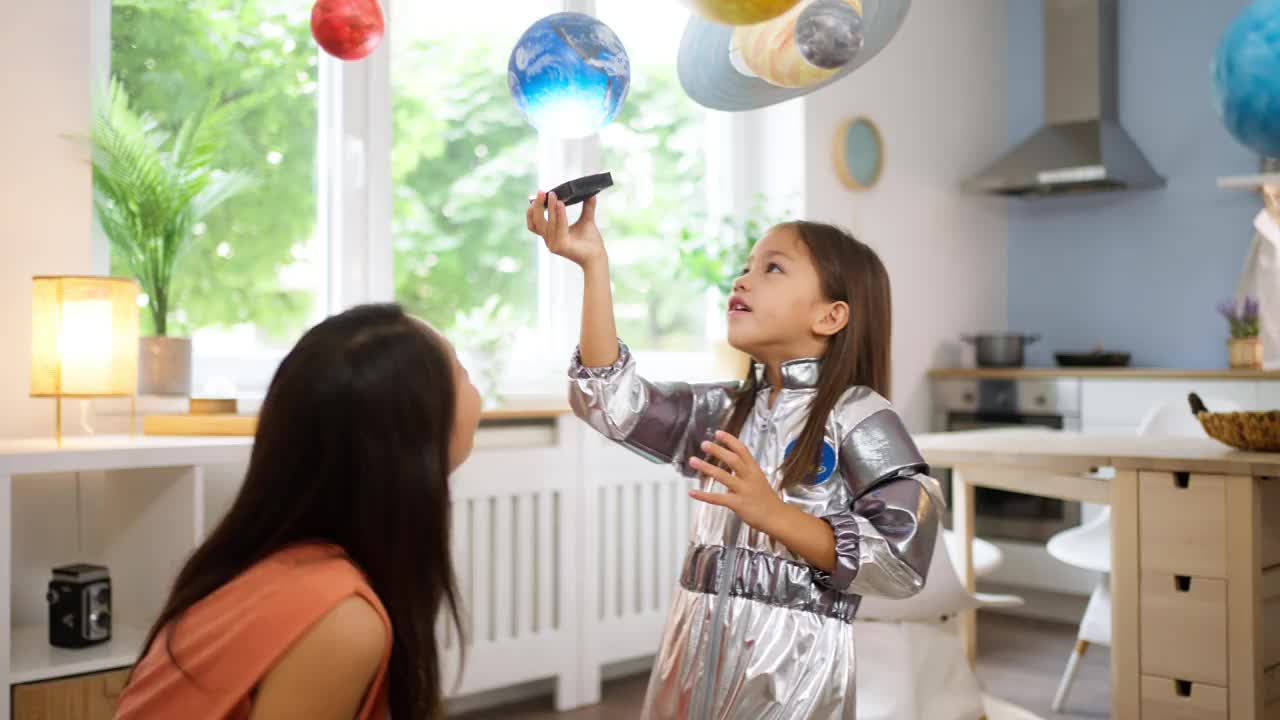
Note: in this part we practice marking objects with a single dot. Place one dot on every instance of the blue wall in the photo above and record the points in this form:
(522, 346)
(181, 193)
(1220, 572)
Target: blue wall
(1135, 271)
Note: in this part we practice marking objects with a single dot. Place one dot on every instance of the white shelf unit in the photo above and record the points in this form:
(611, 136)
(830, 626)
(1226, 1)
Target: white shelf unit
(567, 549)
(32, 658)
(150, 514)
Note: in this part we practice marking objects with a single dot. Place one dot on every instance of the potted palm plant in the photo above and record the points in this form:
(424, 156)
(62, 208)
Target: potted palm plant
(151, 190)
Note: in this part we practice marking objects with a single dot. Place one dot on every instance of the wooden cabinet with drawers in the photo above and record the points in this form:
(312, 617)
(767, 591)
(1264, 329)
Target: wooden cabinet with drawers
(85, 697)
(1195, 558)
(1181, 700)
(1208, 596)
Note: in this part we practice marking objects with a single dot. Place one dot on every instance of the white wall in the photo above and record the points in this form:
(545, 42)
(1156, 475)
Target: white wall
(937, 92)
(45, 213)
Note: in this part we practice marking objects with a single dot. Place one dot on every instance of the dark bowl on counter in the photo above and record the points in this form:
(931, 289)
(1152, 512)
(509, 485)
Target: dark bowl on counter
(1096, 358)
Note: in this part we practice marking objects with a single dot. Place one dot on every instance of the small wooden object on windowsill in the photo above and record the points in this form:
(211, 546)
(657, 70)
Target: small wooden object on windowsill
(1245, 352)
(213, 406)
(207, 416)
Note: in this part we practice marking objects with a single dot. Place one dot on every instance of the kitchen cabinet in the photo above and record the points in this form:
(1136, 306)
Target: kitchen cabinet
(86, 697)
(1195, 583)
(1269, 396)
(1109, 401)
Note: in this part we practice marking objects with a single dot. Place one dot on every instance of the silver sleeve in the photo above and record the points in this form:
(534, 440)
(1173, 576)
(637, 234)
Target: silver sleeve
(662, 421)
(884, 543)
(885, 538)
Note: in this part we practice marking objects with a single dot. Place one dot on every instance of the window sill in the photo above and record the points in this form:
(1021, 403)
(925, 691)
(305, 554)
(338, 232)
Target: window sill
(526, 392)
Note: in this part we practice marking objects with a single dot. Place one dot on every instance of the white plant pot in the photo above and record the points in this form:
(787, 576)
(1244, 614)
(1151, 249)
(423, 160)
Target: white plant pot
(164, 366)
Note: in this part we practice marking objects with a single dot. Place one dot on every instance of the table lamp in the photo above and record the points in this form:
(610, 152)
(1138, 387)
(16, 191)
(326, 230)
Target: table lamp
(84, 339)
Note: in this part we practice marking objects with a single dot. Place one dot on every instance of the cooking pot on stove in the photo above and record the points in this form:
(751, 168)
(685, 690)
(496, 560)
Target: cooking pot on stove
(1000, 349)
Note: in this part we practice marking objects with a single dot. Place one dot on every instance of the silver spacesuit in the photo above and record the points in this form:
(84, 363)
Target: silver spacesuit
(755, 632)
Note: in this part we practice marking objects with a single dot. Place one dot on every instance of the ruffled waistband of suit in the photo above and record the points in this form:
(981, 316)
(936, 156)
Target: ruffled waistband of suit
(765, 578)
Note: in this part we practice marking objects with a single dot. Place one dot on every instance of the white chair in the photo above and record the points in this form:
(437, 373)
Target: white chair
(911, 663)
(1088, 546)
(986, 556)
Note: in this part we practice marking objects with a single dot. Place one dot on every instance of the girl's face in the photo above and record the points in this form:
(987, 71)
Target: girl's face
(777, 311)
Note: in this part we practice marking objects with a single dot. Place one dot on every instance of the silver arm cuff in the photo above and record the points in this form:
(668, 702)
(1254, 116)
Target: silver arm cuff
(884, 543)
(878, 447)
(663, 422)
(845, 527)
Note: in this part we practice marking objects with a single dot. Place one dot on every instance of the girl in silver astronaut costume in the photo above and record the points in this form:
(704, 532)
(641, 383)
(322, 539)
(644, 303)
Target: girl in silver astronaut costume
(760, 626)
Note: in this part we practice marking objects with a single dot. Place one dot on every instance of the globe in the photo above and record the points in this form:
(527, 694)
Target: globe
(569, 75)
(1246, 78)
(740, 12)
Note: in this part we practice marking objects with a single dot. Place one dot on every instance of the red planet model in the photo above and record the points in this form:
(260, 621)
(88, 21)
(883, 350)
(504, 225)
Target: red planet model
(347, 29)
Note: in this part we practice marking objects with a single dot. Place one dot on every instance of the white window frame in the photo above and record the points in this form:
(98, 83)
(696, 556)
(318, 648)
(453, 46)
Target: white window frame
(355, 209)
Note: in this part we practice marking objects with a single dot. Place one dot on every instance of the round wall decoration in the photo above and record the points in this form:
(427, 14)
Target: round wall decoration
(859, 153)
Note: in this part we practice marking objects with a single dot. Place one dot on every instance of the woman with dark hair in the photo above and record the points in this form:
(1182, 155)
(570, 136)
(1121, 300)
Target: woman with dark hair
(317, 595)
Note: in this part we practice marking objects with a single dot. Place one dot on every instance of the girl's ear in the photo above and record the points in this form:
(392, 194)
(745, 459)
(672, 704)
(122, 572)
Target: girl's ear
(832, 319)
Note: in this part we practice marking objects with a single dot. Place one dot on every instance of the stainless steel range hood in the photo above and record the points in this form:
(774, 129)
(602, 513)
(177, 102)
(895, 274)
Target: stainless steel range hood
(1081, 147)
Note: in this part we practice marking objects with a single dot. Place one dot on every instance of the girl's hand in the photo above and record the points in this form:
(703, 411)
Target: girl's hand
(579, 242)
(750, 496)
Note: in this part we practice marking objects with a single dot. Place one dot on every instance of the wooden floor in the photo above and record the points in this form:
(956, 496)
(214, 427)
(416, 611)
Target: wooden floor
(1019, 660)
(1022, 661)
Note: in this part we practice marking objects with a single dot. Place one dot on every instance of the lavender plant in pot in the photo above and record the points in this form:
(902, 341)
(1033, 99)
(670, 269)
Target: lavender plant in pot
(1244, 348)
(151, 191)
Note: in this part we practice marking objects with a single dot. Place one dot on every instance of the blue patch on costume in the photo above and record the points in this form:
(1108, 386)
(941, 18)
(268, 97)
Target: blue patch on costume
(827, 465)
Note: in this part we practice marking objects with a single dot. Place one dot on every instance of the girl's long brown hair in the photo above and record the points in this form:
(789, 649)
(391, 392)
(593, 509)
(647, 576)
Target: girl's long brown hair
(848, 271)
(352, 448)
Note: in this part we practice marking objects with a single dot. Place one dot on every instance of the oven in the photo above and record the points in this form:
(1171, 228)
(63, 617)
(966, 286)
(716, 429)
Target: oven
(1000, 403)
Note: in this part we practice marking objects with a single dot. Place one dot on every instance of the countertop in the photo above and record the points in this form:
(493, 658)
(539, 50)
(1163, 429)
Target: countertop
(1085, 451)
(1129, 373)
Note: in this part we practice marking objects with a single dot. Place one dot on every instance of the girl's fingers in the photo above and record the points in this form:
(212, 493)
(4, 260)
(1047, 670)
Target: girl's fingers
(721, 499)
(735, 445)
(562, 216)
(536, 216)
(551, 228)
(727, 456)
(718, 474)
(589, 209)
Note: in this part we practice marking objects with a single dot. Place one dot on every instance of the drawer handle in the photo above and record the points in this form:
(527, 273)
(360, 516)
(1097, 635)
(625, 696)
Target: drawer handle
(1182, 583)
(1182, 480)
(1182, 687)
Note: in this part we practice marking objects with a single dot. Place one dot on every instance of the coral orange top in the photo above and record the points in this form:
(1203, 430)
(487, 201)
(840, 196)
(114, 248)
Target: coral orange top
(230, 640)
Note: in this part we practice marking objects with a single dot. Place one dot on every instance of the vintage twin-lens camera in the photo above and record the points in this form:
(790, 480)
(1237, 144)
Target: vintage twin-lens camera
(79, 606)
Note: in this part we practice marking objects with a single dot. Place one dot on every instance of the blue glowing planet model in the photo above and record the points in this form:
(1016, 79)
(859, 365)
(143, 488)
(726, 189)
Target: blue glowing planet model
(1246, 78)
(569, 75)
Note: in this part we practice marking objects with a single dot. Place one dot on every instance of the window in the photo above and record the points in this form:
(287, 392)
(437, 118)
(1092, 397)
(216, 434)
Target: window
(431, 217)
(461, 160)
(657, 148)
(257, 277)
(464, 158)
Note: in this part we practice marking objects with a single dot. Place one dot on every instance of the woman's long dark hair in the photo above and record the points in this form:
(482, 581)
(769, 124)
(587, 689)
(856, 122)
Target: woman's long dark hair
(848, 271)
(352, 448)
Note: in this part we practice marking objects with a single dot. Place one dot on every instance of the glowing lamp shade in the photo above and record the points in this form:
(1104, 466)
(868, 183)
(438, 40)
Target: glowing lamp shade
(84, 337)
